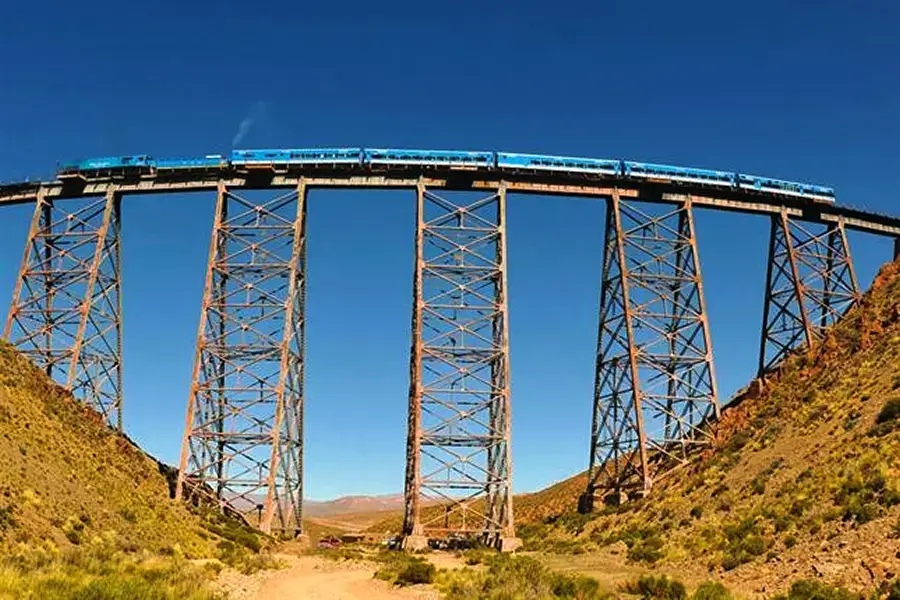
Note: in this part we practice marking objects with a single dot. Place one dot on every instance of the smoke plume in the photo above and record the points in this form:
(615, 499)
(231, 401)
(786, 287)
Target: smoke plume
(257, 112)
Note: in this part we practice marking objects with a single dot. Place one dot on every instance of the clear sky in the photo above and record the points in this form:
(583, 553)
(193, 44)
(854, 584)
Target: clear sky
(808, 91)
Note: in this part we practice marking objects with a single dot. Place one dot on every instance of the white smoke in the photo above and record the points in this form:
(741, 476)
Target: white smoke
(257, 112)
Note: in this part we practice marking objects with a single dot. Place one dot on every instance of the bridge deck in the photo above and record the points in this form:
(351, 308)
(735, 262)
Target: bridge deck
(560, 184)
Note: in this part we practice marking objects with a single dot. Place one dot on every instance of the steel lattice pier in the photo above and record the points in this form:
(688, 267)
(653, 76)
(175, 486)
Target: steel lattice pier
(243, 438)
(458, 471)
(654, 383)
(810, 283)
(66, 312)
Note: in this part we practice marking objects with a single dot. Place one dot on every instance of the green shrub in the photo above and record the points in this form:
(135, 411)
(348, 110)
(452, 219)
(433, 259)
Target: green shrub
(808, 589)
(646, 550)
(579, 586)
(516, 577)
(889, 412)
(758, 485)
(644, 544)
(401, 568)
(711, 590)
(650, 587)
(417, 571)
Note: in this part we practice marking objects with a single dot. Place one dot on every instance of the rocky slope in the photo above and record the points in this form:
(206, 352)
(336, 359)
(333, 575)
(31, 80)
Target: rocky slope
(804, 481)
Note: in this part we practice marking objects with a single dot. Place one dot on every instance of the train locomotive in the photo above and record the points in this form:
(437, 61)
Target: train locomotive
(447, 159)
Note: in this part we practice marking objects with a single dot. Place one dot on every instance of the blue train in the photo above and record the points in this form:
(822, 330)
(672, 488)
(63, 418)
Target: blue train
(453, 159)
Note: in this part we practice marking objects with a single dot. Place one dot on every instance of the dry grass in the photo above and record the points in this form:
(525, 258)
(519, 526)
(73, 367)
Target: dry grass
(98, 570)
(66, 477)
(84, 513)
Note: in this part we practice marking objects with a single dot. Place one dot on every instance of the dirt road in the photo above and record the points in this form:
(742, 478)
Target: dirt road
(314, 578)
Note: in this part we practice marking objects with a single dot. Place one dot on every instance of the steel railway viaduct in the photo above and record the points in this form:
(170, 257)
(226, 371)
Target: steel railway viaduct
(655, 390)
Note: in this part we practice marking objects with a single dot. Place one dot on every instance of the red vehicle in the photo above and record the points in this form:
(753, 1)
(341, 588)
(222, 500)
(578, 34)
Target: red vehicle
(329, 542)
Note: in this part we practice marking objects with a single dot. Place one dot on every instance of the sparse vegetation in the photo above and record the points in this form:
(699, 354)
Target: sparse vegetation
(98, 571)
(807, 589)
(650, 587)
(401, 568)
(85, 514)
(711, 590)
(518, 577)
(52, 485)
(888, 419)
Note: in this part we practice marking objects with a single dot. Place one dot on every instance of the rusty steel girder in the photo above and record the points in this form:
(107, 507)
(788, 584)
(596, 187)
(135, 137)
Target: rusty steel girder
(654, 388)
(458, 468)
(66, 311)
(810, 283)
(243, 438)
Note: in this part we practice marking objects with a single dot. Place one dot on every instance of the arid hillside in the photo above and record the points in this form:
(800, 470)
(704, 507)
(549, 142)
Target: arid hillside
(67, 478)
(804, 481)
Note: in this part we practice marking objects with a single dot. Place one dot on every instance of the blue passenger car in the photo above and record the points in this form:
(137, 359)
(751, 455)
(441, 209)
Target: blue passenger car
(790, 188)
(210, 161)
(542, 162)
(432, 158)
(297, 156)
(683, 174)
(258, 157)
(325, 156)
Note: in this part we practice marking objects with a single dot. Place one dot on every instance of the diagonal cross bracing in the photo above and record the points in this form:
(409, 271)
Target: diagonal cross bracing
(810, 283)
(458, 451)
(243, 443)
(654, 386)
(66, 309)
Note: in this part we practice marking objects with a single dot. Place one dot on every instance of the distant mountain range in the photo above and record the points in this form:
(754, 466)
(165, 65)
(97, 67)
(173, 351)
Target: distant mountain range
(347, 505)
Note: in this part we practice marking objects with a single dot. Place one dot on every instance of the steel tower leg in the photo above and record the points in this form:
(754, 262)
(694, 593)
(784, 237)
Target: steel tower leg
(243, 439)
(67, 307)
(810, 283)
(654, 384)
(458, 469)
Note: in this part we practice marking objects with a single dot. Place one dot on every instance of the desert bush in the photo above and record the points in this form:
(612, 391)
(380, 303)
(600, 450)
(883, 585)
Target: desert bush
(575, 586)
(516, 577)
(644, 544)
(758, 485)
(889, 412)
(401, 568)
(711, 590)
(888, 418)
(243, 559)
(417, 571)
(865, 489)
(650, 587)
(808, 589)
(743, 543)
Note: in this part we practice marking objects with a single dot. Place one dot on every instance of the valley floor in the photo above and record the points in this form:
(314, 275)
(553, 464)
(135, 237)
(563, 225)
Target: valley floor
(316, 578)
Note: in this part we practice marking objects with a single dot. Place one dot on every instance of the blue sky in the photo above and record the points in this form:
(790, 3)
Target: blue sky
(802, 92)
